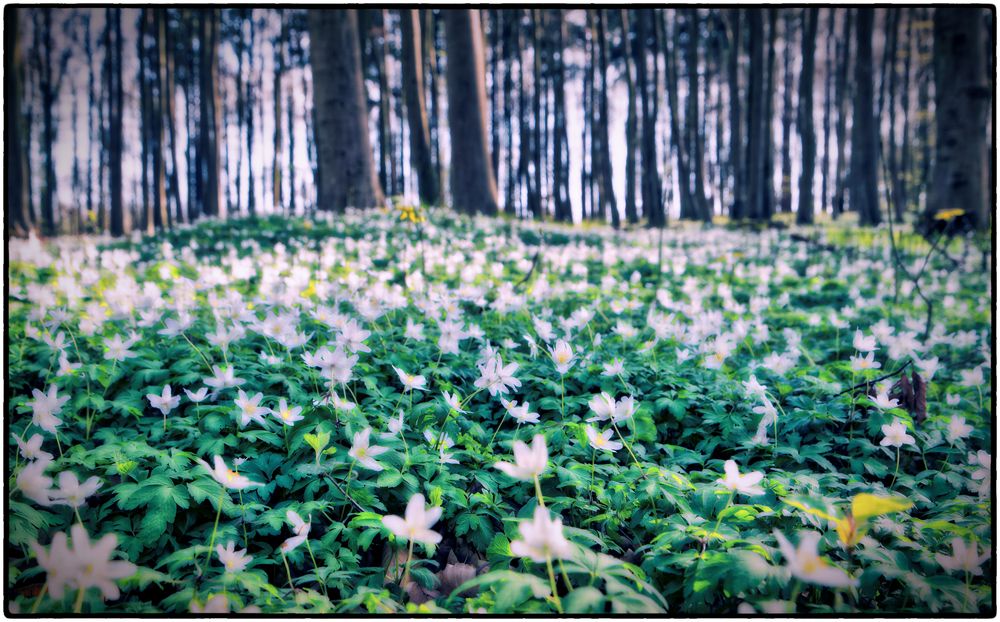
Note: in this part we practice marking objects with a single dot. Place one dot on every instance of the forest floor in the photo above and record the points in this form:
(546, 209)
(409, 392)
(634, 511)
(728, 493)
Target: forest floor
(387, 414)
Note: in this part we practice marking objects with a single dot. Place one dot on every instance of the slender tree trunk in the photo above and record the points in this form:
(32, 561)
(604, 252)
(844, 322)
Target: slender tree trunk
(864, 140)
(473, 188)
(509, 45)
(805, 122)
(48, 86)
(536, 115)
(167, 82)
(560, 151)
(343, 148)
(279, 139)
(421, 158)
(787, 112)
(120, 222)
(902, 191)
(15, 161)
(736, 147)
(962, 104)
(843, 112)
(827, 107)
(652, 202)
(290, 111)
(606, 189)
(688, 211)
(631, 132)
(248, 106)
(210, 109)
(697, 161)
(757, 122)
(160, 211)
(769, 194)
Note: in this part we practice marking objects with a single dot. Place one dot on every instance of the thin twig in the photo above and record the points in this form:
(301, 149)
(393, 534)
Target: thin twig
(870, 382)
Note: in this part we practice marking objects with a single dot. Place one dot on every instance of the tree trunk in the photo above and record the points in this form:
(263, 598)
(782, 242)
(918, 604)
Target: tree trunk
(248, 106)
(843, 111)
(697, 142)
(631, 134)
(509, 45)
(421, 158)
(652, 202)
(49, 91)
(688, 211)
(769, 195)
(606, 189)
(864, 138)
(210, 109)
(757, 124)
(473, 188)
(827, 107)
(342, 144)
(536, 115)
(962, 103)
(18, 222)
(560, 150)
(787, 112)
(736, 146)
(805, 121)
(120, 224)
(279, 139)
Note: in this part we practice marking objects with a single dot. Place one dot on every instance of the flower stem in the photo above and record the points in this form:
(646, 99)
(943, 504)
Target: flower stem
(538, 492)
(552, 581)
(896, 472)
(215, 528)
(41, 595)
(406, 567)
(718, 522)
(499, 425)
(288, 570)
(78, 605)
(316, 567)
(629, 448)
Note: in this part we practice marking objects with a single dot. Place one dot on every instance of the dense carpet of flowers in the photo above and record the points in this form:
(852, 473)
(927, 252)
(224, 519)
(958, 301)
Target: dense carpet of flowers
(383, 414)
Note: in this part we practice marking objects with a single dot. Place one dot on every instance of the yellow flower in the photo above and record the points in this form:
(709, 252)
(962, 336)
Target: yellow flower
(948, 214)
(864, 506)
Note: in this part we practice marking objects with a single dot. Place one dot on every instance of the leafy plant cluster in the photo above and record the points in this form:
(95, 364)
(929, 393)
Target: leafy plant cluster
(795, 440)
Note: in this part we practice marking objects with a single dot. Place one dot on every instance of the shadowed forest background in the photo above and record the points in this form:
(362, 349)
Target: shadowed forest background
(122, 120)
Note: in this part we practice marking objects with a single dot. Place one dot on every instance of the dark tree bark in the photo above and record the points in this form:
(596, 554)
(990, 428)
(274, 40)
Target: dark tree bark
(473, 187)
(631, 121)
(120, 222)
(864, 139)
(536, 105)
(805, 121)
(49, 89)
(560, 149)
(347, 177)
(757, 122)
(901, 193)
(697, 138)
(843, 112)
(736, 146)
(787, 113)
(509, 44)
(210, 108)
(248, 120)
(421, 158)
(772, 35)
(962, 104)
(279, 71)
(827, 107)
(688, 209)
(16, 154)
(652, 201)
(606, 189)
